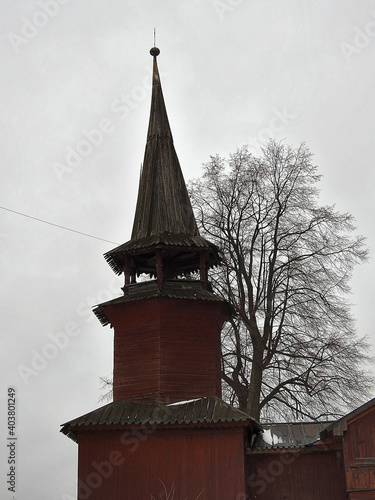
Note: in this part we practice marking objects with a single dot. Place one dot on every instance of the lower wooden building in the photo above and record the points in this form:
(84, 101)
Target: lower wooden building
(314, 461)
(191, 449)
(206, 449)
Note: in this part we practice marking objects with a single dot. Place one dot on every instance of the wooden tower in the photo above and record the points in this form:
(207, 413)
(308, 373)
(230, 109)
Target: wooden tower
(167, 330)
(167, 431)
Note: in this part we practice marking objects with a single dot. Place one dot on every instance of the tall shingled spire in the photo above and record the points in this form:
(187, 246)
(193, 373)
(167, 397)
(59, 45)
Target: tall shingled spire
(163, 203)
(165, 241)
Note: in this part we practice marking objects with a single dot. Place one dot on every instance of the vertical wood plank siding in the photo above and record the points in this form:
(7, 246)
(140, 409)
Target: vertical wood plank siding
(296, 476)
(204, 464)
(359, 449)
(167, 349)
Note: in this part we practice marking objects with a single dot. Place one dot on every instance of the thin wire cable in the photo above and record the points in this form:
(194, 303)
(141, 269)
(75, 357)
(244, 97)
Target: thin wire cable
(57, 225)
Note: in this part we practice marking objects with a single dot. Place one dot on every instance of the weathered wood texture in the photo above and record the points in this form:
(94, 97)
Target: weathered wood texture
(167, 350)
(204, 464)
(295, 476)
(359, 450)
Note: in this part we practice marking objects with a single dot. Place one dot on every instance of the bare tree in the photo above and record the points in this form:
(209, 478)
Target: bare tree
(291, 350)
(106, 385)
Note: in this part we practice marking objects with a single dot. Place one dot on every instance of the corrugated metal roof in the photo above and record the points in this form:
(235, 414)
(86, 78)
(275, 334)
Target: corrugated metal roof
(289, 435)
(204, 411)
(173, 289)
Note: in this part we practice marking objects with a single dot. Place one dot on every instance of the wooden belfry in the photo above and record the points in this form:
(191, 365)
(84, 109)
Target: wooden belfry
(167, 329)
(167, 423)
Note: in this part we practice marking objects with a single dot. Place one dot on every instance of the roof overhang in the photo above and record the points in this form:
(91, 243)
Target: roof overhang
(208, 412)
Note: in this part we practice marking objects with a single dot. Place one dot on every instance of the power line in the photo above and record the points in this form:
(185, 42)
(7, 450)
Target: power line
(57, 225)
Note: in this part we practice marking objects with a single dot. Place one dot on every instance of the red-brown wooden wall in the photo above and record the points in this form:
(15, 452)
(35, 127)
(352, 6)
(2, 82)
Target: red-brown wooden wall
(204, 464)
(359, 450)
(295, 476)
(167, 349)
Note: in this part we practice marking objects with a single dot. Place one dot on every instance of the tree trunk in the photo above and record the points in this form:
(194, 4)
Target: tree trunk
(253, 395)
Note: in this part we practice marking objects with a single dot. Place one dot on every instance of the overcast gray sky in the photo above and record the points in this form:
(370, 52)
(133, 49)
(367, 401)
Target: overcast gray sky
(75, 97)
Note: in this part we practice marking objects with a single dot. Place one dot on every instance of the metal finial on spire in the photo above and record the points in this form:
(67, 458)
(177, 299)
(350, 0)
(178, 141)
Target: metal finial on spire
(154, 51)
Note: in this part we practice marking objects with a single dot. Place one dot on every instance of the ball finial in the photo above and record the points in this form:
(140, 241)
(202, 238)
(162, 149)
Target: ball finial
(154, 51)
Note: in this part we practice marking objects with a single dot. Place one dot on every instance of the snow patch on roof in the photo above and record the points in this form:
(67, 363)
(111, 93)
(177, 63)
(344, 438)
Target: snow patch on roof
(270, 438)
(184, 402)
